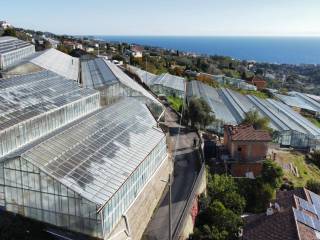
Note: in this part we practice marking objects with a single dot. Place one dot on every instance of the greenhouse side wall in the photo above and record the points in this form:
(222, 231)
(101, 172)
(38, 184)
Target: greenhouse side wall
(22, 133)
(28, 191)
(124, 197)
(12, 57)
(159, 89)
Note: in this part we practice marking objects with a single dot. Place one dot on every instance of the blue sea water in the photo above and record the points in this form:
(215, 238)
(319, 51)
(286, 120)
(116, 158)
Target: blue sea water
(291, 50)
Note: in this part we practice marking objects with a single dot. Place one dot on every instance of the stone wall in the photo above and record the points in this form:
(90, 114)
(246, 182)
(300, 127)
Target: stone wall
(135, 220)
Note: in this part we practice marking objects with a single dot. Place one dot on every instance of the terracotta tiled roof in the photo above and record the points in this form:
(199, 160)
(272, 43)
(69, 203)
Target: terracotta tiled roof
(247, 133)
(137, 48)
(257, 79)
(282, 224)
(279, 226)
(286, 198)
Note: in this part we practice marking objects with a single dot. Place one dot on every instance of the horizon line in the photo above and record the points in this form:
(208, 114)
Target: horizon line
(147, 35)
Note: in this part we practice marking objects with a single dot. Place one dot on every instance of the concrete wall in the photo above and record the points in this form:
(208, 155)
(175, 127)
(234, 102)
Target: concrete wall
(137, 217)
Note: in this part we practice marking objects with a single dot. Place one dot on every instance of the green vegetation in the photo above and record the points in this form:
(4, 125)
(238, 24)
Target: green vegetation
(313, 120)
(253, 118)
(199, 113)
(208, 80)
(297, 168)
(10, 32)
(257, 93)
(260, 191)
(313, 185)
(260, 94)
(272, 173)
(175, 102)
(63, 48)
(314, 157)
(231, 73)
(220, 218)
(228, 198)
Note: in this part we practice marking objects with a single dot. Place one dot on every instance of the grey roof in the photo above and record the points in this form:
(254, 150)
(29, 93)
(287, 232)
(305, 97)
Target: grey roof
(145, 77)
(59, 63)
(314, 97)
(8, 44)
(170, 81)
(26, 96)
(95, 156)
(307, 100)
(96, 74)
(100, 72)
(230, 107)
(295, 101)
(212, 97)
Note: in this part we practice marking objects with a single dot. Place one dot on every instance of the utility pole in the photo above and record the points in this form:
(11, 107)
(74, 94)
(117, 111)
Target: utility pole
(170, 208)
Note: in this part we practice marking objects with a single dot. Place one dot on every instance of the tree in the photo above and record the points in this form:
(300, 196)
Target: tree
(63, 48)
(263, 196)
(224, 189)
(199, 112)
(313, 186)
(10, 32)
(207, 80)
(272, 173)
(217, 222)
(253, 118)
(314, 157)
(47, 44)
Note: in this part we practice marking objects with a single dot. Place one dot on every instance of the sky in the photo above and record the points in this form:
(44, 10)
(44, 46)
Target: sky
(166, 17)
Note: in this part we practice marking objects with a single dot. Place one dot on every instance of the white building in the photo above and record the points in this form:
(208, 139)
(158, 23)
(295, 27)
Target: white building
(79, 46)
(12, 50)
(4, 25)
(136, 51)
(54, 43)
(89, 49)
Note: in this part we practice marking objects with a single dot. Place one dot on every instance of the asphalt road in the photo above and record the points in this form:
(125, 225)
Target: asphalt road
(183, 178)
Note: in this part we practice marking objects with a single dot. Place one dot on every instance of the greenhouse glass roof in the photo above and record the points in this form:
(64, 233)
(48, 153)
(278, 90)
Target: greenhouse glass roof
(27, 96)
(146, 77)
(212, 97)
(8, 44)
(59, 63)
(295, 101)
(96, 155)
(307, 100)
(230, 107)
(100, 72)
(170, 81)
(96, 74)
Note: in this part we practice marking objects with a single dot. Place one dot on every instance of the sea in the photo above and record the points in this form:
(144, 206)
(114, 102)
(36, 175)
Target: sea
(278, 50)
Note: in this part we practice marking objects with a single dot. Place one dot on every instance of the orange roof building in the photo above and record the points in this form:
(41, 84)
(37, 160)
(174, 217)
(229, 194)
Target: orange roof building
(258, 82)
(246, 144)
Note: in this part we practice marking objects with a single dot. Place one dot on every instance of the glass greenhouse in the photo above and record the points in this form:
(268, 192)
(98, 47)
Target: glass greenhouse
(36, 104)
(13, 50)
(114, 84)
(59, 63)
(229, 107)
(168, 85)
(86, 175)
